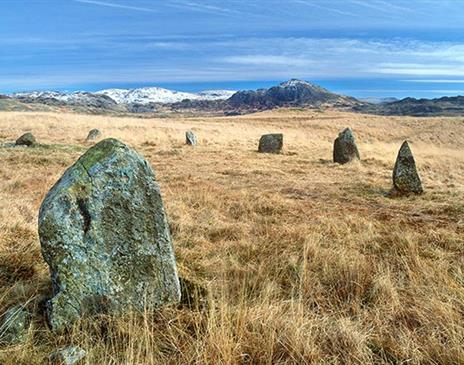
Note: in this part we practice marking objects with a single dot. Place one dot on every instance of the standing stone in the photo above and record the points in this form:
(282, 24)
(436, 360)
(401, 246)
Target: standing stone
(26, 139)
(68, 356)
(271, 143)
(190, 138)
(345, 149)
(15, 324)
(406, 180)
(105, 237)
(93, 135)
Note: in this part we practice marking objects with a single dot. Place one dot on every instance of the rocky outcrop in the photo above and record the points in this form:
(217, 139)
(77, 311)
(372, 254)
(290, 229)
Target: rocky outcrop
(93, 135)
(271, 143)
(406, 180)
(190, 138)
(345, 149)
(104, 234)
(15, 324)
(26, 139)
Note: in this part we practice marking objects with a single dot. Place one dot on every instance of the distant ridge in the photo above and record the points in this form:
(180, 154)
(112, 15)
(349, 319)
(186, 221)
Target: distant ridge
(293, 93)
(444, 106)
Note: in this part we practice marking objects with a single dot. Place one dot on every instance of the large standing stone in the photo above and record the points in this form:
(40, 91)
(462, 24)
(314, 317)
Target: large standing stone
(190, 138)
(271, 143)
(93, 135)
(15, 325)
(105, 237)
(345, 149)
(27, 139)
(406, 180)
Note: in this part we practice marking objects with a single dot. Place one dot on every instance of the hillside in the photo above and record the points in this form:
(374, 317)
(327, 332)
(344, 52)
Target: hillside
(306, 261)
(446, 106)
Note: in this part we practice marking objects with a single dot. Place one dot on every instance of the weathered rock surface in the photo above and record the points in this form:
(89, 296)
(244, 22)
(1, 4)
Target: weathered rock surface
(406, 180)
(26, 139)
(105, 237)
(93, 135)
(190, 138)
(271, 143)
(345, 149)
(68, 355)
(15, 324)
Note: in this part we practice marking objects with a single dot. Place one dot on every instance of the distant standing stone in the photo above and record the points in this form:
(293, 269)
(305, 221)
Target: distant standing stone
(345, 149)
(93, 135)
(26, 139)
(271, 143)
(15, 324)
(105, 237)
(68, 355)
(406, 180)
(190, 138)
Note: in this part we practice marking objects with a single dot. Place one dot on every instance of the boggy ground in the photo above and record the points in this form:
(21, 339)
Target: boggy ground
(307, 261)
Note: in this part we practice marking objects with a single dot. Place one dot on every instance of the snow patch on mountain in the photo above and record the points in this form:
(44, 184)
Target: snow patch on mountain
(148, 95)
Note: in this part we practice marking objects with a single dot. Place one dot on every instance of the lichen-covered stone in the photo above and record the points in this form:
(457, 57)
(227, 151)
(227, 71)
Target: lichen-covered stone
(345, 149)
(15, 325)
(406, 180)
(190, 138)
(93, 135)
(68, 356)
(105, 237)
(271, 143)
(27, 139)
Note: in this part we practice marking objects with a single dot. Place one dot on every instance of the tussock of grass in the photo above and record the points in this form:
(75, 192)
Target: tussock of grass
(304, 261)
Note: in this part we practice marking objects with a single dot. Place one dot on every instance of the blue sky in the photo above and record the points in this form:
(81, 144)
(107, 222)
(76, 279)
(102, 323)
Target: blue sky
(357, 47)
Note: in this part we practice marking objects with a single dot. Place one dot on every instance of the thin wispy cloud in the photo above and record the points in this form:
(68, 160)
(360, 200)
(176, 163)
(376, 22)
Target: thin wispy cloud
(114, 5)
(380, 6)
(436, 81)
(326, 8)
(266, 60)
(202, 7)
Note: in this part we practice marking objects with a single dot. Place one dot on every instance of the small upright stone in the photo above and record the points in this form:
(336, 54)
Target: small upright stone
(15, 324)
(190, 138)
(104, 234)
(345, 149)
(406, 180)
(271, 143)
(26, 139)
(71, 355)
(93, 135)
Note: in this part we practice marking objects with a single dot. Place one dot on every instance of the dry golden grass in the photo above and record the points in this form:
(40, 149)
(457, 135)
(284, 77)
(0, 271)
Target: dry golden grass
(307, 261)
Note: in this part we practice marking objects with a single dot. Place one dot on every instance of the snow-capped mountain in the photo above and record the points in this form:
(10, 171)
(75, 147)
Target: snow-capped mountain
(216, 94)
(143, 95)
(147, 95)
(79, 98)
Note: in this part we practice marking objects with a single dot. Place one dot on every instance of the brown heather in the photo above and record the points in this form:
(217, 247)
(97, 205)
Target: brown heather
(308, 262)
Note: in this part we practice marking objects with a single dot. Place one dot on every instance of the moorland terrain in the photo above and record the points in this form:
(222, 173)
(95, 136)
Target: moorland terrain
(306, 261)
